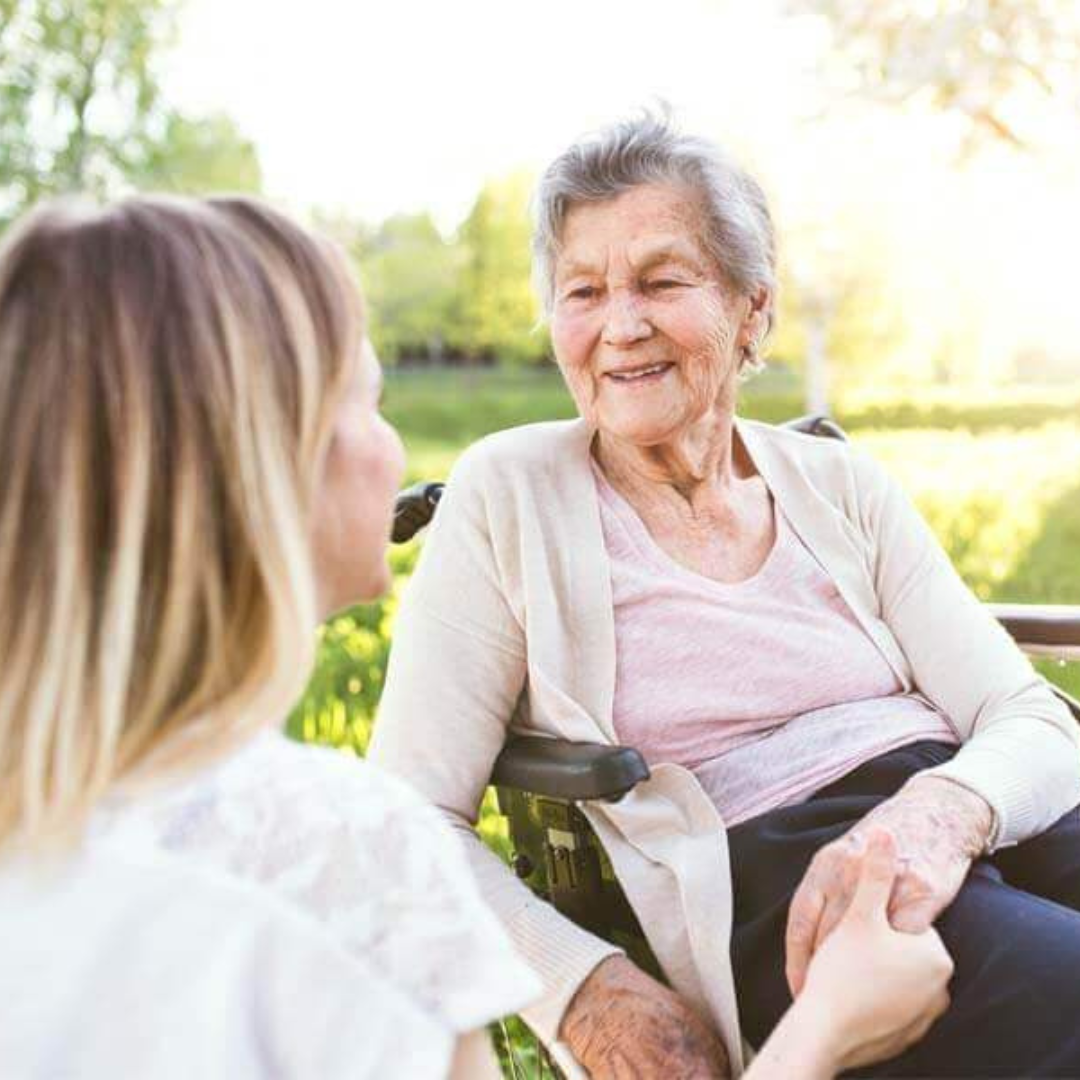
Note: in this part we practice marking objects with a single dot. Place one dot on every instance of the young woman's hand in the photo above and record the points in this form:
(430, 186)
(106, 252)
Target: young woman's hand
(624, 1025)
(870, 991)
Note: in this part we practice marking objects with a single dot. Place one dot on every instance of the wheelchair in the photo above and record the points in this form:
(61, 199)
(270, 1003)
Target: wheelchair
(540, 782)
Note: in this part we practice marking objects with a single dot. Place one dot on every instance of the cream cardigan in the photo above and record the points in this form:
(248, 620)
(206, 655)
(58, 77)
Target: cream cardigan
(508, 624)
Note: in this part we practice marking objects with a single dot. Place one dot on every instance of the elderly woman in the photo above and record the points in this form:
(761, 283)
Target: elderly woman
(769, 621)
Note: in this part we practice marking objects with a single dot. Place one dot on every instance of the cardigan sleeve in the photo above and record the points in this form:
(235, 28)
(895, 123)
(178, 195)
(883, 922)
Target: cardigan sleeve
(1021, 748)
(457, 670)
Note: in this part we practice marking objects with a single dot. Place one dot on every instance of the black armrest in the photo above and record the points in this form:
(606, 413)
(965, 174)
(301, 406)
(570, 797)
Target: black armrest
(414, 508)
(816, 424)
(1053, 629)
(568, 770)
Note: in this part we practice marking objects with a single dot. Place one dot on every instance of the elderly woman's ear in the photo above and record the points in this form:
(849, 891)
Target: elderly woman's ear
(755, 325)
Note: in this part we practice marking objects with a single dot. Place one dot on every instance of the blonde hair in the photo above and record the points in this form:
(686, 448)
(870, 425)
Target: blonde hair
(168, 372)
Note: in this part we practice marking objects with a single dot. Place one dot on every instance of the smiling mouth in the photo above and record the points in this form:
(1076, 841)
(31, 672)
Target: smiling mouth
(653, 371)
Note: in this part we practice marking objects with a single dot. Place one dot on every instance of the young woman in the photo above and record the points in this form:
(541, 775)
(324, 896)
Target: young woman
(194, 474)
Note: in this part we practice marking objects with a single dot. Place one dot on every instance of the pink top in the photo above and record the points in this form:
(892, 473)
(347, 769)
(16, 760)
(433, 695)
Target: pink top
(768, 688)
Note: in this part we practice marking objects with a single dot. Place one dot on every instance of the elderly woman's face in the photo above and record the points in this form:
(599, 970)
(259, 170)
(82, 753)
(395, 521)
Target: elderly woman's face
(645, 331)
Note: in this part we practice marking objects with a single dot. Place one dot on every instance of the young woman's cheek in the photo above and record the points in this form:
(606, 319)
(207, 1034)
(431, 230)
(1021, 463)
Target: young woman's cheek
(378, 481)
(393, 454)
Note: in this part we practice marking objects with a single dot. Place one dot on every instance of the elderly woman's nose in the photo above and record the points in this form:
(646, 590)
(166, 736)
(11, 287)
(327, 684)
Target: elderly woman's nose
(624, 319)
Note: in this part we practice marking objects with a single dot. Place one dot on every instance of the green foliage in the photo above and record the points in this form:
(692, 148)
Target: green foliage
(844, 291)
(989, 498)
(465, 300)
(449, 410)
(77, 91)
(500, 310)
(81, 109)
(1047, 569)
(518, 1050)
(962, 416)
(199, 157)
(339, 705)
(412, 281)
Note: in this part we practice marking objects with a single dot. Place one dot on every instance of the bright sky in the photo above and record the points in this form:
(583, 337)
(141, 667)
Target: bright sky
(412, 104)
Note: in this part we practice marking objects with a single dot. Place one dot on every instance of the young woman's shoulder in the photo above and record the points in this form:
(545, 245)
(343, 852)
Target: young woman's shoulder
(361, 853)
(267, 989)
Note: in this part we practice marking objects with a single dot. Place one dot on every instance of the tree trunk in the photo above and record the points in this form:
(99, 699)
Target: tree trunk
(817, 366)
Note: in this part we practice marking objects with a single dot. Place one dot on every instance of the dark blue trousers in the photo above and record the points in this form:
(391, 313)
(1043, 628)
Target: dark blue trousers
(1013, 932)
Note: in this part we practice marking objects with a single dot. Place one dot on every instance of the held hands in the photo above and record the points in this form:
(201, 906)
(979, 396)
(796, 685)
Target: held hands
(624, 1025)
(937, 829)
(871, 991)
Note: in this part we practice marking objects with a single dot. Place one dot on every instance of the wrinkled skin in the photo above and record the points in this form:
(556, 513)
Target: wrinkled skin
(624, 1025)
(635, 287)
(938, 828)
(902, 979)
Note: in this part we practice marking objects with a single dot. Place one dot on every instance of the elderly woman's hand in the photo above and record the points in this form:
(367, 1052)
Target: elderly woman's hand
(622, 1024)
(938, 829)
(902, 979)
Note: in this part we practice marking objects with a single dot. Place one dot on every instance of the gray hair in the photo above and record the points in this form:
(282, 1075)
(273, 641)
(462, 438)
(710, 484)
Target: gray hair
(649, 149)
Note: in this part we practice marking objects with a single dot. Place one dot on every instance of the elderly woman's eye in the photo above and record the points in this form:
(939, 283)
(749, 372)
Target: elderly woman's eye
(664, 284)
(581, 292)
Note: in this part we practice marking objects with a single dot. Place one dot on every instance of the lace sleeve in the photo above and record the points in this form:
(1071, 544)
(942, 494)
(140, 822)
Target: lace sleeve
(361, 853)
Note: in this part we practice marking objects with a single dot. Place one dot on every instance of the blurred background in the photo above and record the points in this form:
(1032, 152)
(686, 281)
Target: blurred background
(922, 158)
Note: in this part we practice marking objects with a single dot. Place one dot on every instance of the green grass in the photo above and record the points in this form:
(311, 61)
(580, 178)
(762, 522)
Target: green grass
(452, 408)
(1004, 503)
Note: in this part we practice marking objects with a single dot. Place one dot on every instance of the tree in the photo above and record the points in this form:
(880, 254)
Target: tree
(198, 157)
(81, 108)
(463, 299)
(835, 309)
(975, 59)
(468, 298)
(500, 311)
(412, 278)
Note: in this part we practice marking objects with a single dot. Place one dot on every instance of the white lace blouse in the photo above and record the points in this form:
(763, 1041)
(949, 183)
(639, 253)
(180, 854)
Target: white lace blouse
(288, 912)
